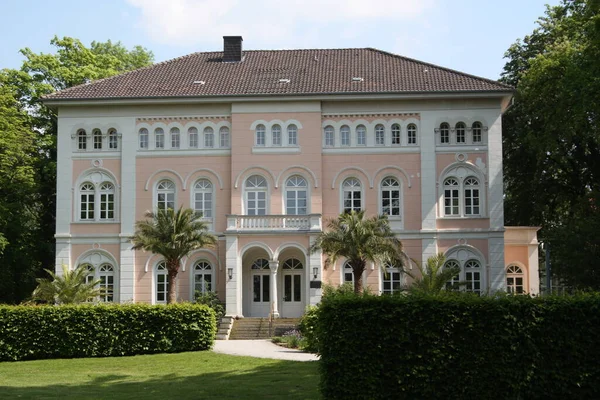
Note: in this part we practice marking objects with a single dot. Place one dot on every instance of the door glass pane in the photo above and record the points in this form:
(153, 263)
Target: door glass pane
(265, 288)
(287, 288)
(256, 288)
(297, 287)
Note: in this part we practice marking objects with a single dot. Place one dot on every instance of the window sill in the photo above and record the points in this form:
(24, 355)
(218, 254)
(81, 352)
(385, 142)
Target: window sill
(95, 222)
(463, 217)
(276, 150)
(183, 152)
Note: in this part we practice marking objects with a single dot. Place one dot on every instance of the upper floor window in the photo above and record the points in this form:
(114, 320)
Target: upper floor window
(143, 138)
(296, 190)
(451, 198)
(390, 197)
(292, 135)
(352, 195)
(209, 137)
(161, 279)
(391, 279)
(515, 280)
(203, 198)
(471, 190)
(97, 136)
(256, 195)
(81, 140)
(113, 139)
(193, 137)
(361, 135)
(94, 197)
(175, 138)
(345, 135)
(224, 136)
(379, 135)
(476, 131)
(461, 135)
(261, 135)
(444, 133)
(159, 136)
(87, 193)
(165, 195)
(276, 135)
(329, 136)
(396, 134)
(412, 134)
(107, 201)
(203, 277)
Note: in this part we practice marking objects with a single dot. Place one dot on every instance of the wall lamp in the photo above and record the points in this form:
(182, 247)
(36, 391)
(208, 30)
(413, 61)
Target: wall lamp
(315, 272)
(230, 272)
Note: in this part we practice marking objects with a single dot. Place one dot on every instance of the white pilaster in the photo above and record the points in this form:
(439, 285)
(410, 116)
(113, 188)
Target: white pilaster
(274, 266)
(64, 193)
(496, 262)
(429, 248)
(63, 253)
(126, 271)
(314, 260)
(128, 145)
(233, 285)
(495, 178)
(428, 171)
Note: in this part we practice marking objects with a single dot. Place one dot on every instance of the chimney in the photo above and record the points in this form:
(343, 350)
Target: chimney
(232, 48)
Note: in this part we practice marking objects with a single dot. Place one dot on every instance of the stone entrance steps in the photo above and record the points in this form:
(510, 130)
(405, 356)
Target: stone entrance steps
(258, 328)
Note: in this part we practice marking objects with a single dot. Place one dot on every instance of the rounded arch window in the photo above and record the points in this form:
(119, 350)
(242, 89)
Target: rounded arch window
(292, 130)
(329, 136)
(260, 135)
(203, 197)
(203, 277)
(444, 133)
(292, 263)
(193, 137)
(461, 136)
(296, 195)
(165, 195)
(379, 135)
(477, 132)
(81, 139)
(411, 132)
(175, 138)
(209, 137)
(159, 137)
(451, 197)
(143, 134)
(345, 135)
(396, 134)
(162, 283)
(352, 195)
(276, 135)
(515, 279)
(361, 135)
(113, 139)
(256, 195)
(260, 264)
(453, 283)
(348, 273)
(97, 136)
(106, 275)
(224, 137)
(390, 197)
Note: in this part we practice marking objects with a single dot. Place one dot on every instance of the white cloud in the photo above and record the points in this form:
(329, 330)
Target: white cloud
(270, 23)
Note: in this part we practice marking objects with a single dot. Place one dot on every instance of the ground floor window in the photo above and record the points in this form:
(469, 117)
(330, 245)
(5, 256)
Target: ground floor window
(162, 283)
(392, 280)
(515, 280)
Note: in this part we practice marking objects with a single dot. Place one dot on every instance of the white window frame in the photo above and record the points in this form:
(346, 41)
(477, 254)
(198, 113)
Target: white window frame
(391, 270)
(159, 138)
(344, 189)
(202, 268)
(256, 189)
(445, 134)
(461, 172)
(82, 140)
(144, 139)
(462, 255)
(467, 275)
(292, 264)
(260, 139)
(166, 191)
(105, 272)
(224, 136)
(391, 189)
(460, 133)
(477, 129)
(96, 139)
(209, 137)
(204, 190)
(98, 192)
(411, 129)
(276, 139)
(175, 134)
(296, 190)
(345, 136)
(193, 137)
(329, 136)
(292, 132)
(452, 184)
(94, 260)
(514, 272)
(346, 269)
(113, 139)
(396, 130)
(361, 135)
(155, 292)
(379, 135)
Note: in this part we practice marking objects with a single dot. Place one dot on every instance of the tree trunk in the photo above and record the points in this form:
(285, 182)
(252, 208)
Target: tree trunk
(172, 270)
(357, 269)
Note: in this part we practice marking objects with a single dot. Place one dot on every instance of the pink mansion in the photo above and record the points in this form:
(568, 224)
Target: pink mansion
(268, 145)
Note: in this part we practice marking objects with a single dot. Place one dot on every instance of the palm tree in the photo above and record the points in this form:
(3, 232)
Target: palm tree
(173, 235)
(69, 288)
(359, 240)
(434, 276)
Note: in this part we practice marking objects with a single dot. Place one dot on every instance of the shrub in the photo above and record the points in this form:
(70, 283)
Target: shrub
(28, 333)
(308, 328)
(212, 300)
(458, 346)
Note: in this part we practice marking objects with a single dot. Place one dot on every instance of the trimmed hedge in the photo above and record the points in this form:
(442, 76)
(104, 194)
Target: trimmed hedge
(38, 332)
(460, 347)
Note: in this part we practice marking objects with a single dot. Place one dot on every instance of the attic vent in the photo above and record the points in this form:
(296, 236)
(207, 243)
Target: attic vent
(199, 82)
(357, 79)
(284, 80)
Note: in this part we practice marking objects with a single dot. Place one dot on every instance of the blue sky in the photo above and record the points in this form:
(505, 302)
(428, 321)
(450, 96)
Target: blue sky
(466, 35)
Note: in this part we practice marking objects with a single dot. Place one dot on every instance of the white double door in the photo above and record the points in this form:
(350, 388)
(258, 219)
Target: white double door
(291, 293)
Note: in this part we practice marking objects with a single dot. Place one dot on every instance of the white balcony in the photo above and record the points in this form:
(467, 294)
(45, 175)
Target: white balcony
(274, 223)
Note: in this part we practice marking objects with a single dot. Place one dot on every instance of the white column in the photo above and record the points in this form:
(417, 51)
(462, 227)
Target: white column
(273, 266)
(128, 145)
(314, 260)
(233, 285)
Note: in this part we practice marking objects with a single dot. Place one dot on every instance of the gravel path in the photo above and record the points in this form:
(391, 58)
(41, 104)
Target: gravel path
(261, 349)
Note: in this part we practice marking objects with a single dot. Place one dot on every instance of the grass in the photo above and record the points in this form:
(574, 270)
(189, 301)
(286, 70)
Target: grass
(197, 375)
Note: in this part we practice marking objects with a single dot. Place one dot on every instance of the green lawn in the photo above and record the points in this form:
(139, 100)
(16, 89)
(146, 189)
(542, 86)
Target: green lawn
(198, 375)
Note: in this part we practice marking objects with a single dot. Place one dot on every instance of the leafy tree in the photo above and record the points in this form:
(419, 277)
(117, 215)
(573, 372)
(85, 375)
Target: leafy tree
(173, 235)
(552, 137)
(433, 277)
(359, 240)
(28, 127)
(68, 288)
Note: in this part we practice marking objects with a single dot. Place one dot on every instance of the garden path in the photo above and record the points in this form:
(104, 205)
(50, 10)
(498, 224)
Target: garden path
(261, 349)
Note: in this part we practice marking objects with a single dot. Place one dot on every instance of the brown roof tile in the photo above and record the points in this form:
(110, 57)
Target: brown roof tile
(310, 72)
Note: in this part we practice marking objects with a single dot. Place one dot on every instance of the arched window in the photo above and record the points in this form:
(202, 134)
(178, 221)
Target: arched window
(106, 274)
(113, 140)
(444, 133)
(390, 197)
(143, 138)
(256, 195)
(107, 201)
(471, 189)
(515, 280)
(260, 263)
(451, 197)
(209, 137)
(97, 135)
(348, 273)
(292, 282)
(276, 135)
(203, 277)
(461, 136)
(162, 283)
(345, 135)
(411, 131)
(165, 195)
(473, 276)
(396, 134)
(81, 140)
(453, 284)
(476, 131)
(391, 279)
(90, 277)
(261, 139)
(175, 138)
(193, 137)
(203, 198)
(87, 193)
(296, 196)
(224, 137)
(379, 135)
(352, 195)
(361, 135)
(159, 137)
(292, 135)
(261, 289)
(329, 136)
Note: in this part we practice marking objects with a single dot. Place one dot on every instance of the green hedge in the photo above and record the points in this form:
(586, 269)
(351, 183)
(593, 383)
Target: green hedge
(460, 347)
(37, 332)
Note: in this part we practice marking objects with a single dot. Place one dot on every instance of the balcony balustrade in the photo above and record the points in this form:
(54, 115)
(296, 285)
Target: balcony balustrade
(274, 223)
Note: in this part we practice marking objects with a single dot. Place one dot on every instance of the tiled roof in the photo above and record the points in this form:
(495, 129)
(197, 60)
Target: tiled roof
(265, 72)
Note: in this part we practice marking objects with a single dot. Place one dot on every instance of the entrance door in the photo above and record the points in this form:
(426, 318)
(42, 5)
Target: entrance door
(292, 305)
(260, 281)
